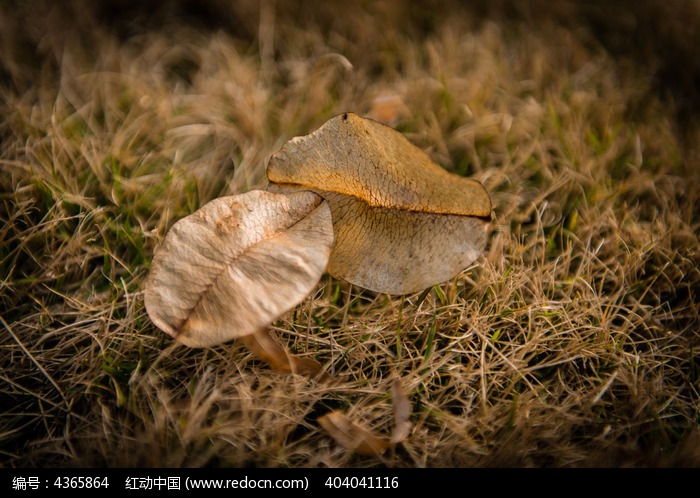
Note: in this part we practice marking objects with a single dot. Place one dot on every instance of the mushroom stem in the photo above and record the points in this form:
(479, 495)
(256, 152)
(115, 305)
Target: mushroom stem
(263, 345)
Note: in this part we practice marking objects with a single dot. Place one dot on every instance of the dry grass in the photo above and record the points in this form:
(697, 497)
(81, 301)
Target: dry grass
(572, 342)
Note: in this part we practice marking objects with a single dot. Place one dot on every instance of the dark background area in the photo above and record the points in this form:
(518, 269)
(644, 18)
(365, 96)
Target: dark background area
(655, 34)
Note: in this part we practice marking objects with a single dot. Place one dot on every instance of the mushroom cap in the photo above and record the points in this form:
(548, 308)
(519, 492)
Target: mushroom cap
(370, 161)
(236, 264)
(400, 252)
(401, 223)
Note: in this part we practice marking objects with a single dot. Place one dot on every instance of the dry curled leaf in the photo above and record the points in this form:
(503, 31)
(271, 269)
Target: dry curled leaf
(235, 265)
(361, 440)
(401, 222)
(351, 435)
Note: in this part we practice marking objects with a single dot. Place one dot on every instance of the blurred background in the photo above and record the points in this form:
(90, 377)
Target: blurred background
(659, 37)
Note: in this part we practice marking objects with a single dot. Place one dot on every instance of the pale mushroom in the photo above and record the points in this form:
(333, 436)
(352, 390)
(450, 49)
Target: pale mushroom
(235, 265)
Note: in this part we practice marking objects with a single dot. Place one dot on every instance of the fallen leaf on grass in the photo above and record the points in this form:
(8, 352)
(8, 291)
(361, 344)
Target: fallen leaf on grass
(361, 440)
(235, 265)
(401, 222)
(351, 435)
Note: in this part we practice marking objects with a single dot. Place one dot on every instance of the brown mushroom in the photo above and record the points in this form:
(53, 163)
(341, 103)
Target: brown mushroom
(401, 222)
